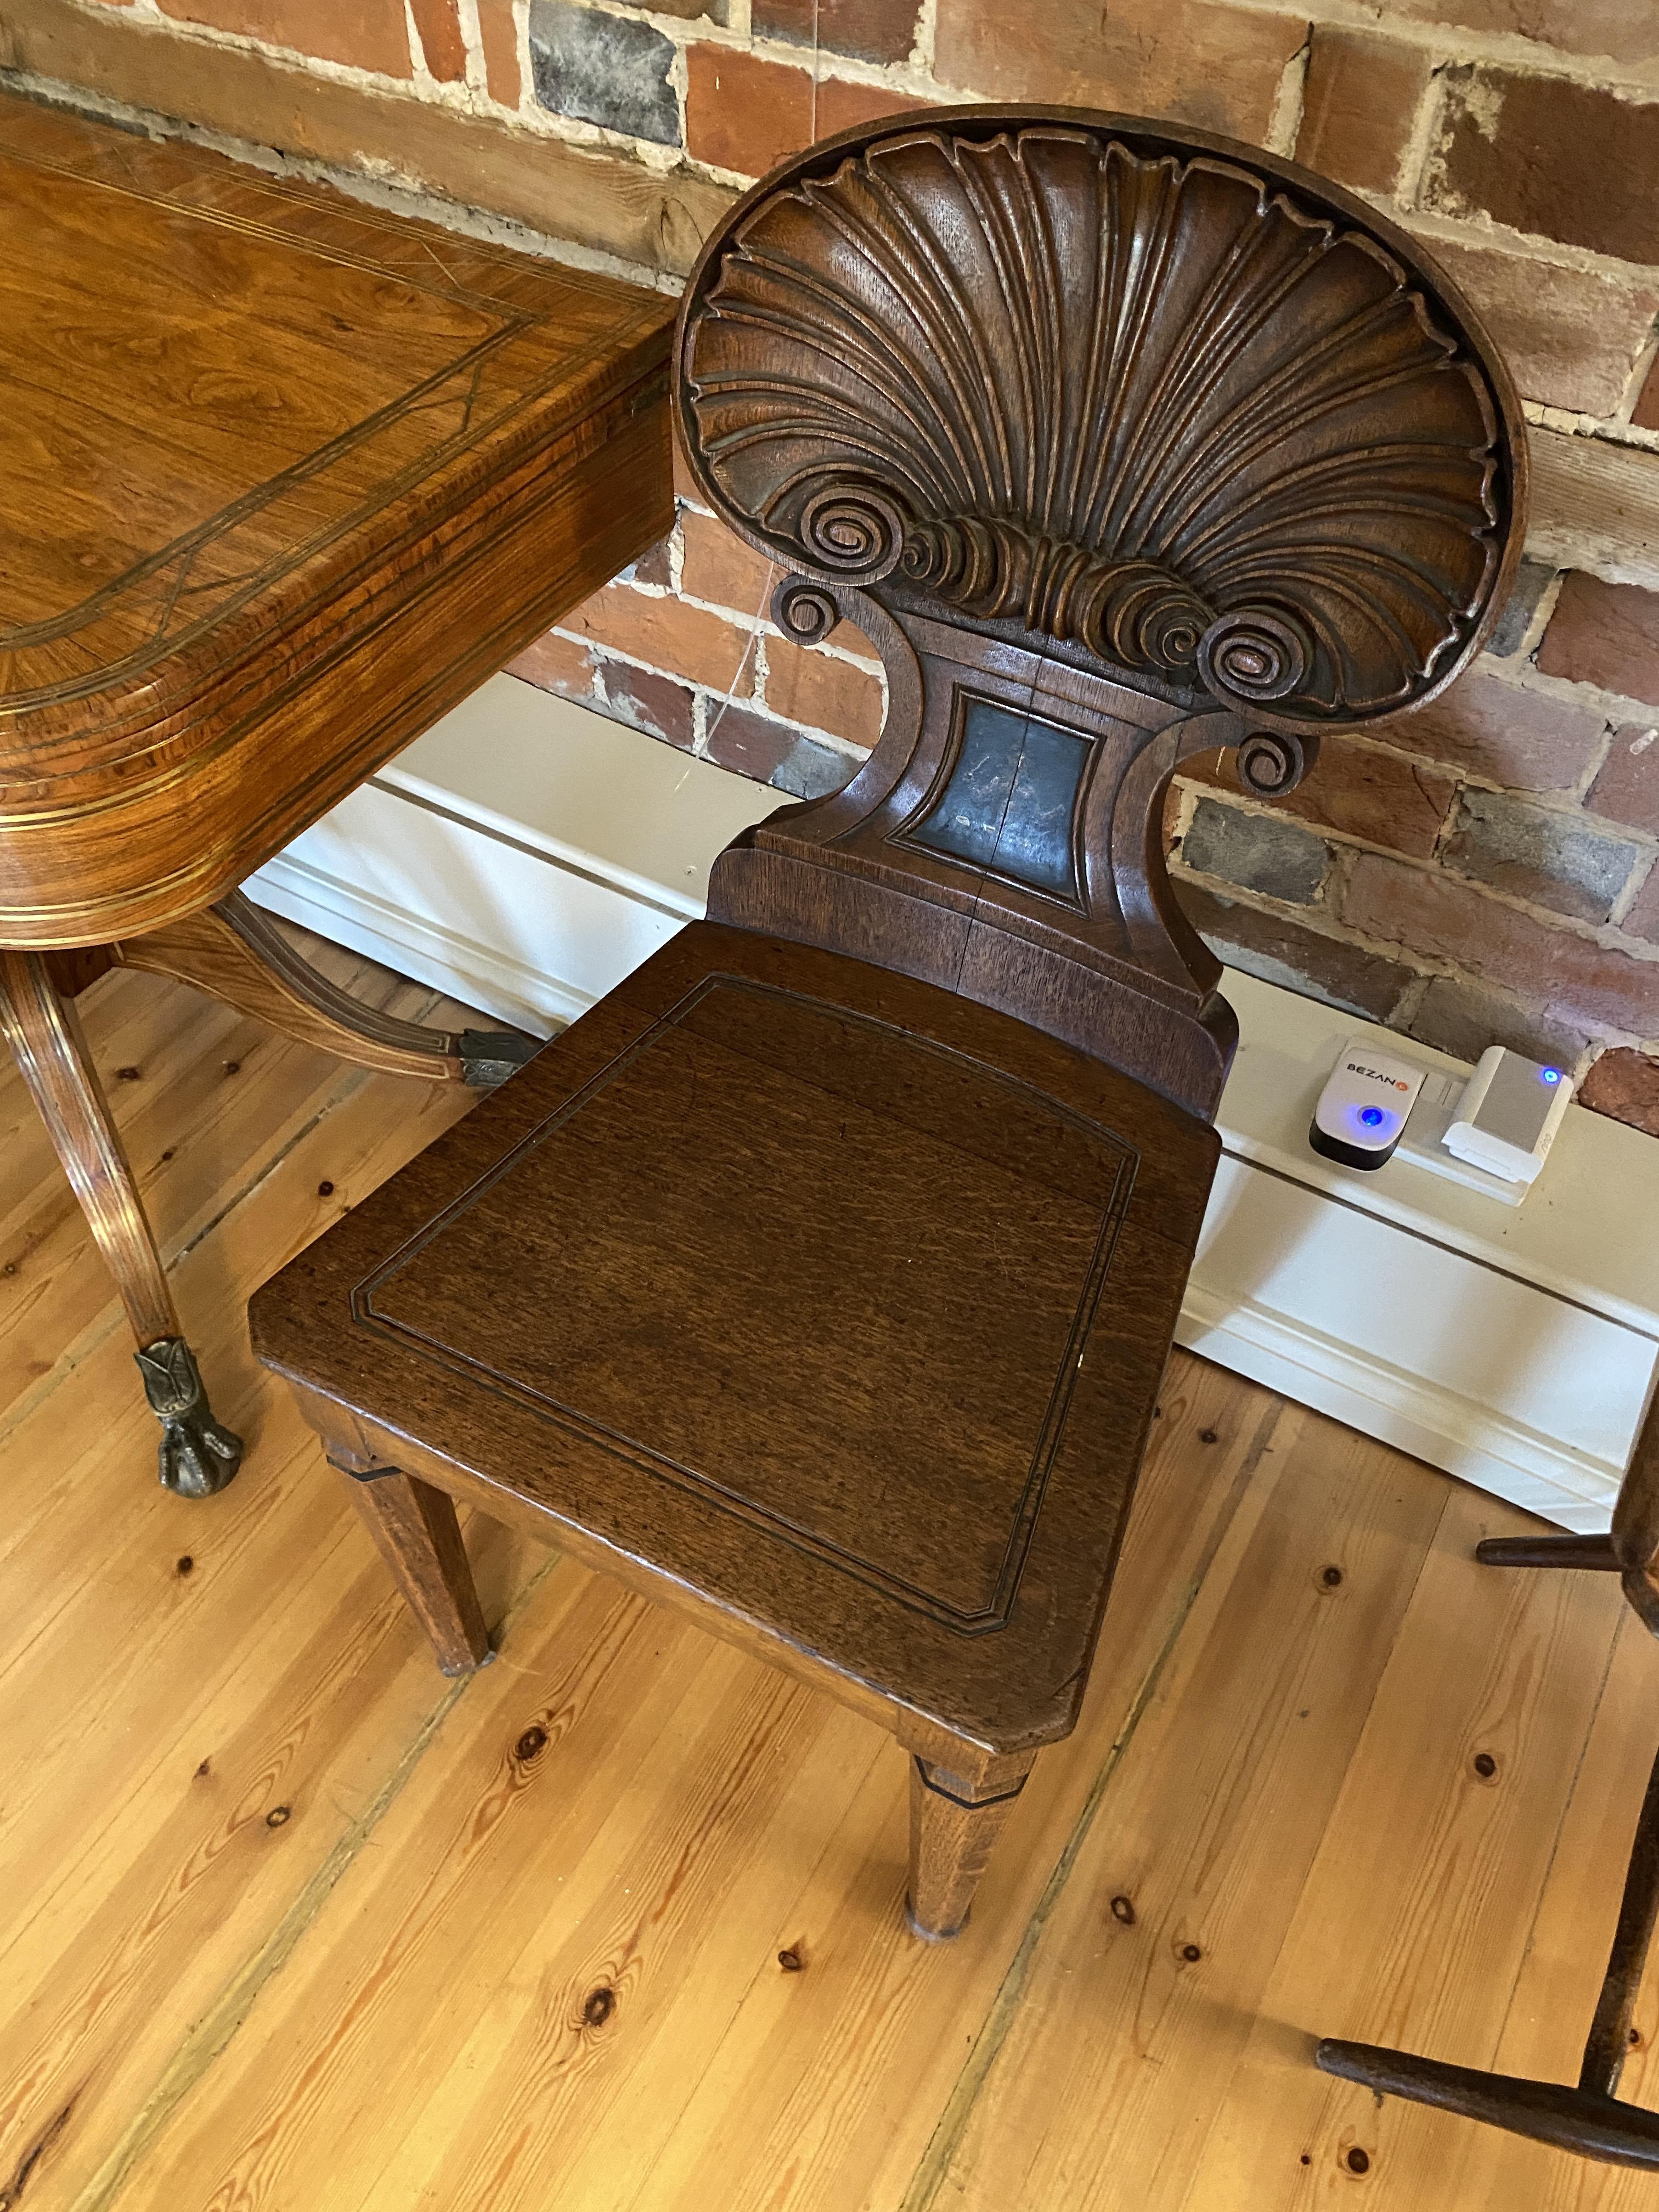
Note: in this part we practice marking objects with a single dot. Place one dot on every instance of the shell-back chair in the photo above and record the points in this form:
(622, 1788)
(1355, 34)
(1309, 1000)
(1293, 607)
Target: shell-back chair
(820, 1280)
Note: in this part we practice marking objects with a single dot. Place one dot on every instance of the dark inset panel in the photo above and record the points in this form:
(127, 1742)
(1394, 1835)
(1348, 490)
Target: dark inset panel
(1011, 798)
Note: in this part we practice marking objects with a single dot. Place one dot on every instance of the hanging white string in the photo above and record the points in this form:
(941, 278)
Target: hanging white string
(741, 669)
(812, 124)
(747, 655)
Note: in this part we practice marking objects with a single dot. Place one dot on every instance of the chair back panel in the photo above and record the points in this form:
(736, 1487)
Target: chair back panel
(1120, 446)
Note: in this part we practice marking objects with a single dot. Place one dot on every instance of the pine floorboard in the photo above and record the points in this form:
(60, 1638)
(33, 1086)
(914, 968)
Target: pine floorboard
(291, 1924)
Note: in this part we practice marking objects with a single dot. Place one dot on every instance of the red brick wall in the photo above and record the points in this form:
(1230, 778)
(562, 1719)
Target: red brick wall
(1489, 869)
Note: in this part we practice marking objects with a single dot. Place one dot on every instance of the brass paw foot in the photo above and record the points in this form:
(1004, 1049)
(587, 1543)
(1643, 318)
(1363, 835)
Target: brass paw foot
(197, 1455)
(489, 1056)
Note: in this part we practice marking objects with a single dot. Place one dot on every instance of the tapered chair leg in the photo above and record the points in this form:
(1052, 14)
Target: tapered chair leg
(954, 1826)
(415, 1528)
(198, 1455)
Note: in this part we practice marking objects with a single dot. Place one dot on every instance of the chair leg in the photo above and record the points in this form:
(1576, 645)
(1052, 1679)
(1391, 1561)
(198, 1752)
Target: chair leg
(1548, 2112)
(197, 1456)
(1594, 1553)
(415, 1531)
(954, 1826)
(1589, 2119)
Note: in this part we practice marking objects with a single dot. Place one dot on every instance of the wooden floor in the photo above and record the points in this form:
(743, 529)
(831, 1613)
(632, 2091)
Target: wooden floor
(289, 1923)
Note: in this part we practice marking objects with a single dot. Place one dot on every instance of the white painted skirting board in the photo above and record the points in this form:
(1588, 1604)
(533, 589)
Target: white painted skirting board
(525, 853)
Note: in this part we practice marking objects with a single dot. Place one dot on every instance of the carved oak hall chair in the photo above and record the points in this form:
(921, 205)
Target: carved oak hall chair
(820, 1280)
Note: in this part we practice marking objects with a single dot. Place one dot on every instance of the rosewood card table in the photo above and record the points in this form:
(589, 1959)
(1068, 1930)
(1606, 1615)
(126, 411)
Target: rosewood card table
(283, 478)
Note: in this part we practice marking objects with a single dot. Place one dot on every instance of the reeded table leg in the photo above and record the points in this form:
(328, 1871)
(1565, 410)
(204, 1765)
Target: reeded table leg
(234, 952)
(197, 1456)
(415, 1528)
(954, 1826)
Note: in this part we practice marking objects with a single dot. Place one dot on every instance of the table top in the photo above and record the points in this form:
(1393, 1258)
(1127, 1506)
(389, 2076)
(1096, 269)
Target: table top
(251, 434)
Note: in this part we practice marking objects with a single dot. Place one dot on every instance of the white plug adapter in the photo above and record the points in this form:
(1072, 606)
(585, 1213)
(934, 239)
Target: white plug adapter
(1362, 1111)
(1508, 1114)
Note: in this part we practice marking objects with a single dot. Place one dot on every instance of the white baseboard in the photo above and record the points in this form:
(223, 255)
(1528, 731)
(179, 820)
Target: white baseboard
(496, 982)
(1468, 1436)
(526, 853)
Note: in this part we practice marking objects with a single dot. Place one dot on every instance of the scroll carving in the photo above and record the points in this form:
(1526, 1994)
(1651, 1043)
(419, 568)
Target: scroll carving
(1145, 400)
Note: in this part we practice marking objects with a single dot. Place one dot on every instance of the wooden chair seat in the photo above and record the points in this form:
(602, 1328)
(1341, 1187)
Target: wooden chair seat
(809, 1295)
(820, 1280)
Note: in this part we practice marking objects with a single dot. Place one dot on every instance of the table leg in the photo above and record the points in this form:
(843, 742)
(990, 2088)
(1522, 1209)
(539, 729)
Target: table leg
(236, 952)
(197, 1456)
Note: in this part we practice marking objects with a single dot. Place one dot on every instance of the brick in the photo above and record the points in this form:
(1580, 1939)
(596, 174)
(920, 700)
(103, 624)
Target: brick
(811, 769)
(1191, 60)
(806, 685)
(718, 566)
(1282, 951)
(1645, 413)
(1519, 738)
(1544, 854)
(650, 701)
(748, 743)
(1532, 580)
(1462, 1017)
(609, 69)
(1552, 157)
(668, 634)
(1627, 788)
(1605, 634)
(556, 663)
(500, 34)
(1625, 1086)
(443, 43)
(842, 105)
(1642, 920)
(1590, 986)
(606, 201)
(368, 34)
(1360, 791)
(1358, 107)
(1258, 851)
(743, 113)
(870, 30)
(653, 565)
(772, 752)
(1622, 30)
(1571, 336)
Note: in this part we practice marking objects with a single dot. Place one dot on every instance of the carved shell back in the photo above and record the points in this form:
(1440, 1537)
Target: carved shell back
(1151, 404)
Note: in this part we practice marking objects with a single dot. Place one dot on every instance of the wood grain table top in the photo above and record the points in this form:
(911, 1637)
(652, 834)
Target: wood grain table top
(252, 433)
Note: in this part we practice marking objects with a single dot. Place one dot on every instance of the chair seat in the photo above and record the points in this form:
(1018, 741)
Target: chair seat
(787, 1286)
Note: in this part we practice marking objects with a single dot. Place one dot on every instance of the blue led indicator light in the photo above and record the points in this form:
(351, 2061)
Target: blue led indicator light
(1373, 1117)
(1549, 1075)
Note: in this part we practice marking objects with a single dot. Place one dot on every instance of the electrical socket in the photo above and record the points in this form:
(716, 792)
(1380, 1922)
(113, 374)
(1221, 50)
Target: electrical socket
(1423, 1141)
